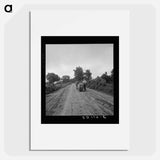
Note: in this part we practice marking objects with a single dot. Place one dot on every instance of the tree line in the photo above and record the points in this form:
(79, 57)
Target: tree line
(52, 77)
(79, 74)
(102, 82)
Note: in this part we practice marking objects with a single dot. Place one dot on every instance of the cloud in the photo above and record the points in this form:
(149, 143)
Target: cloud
(62, 59)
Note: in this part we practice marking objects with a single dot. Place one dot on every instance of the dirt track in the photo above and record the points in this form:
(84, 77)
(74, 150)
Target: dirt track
(69, 101)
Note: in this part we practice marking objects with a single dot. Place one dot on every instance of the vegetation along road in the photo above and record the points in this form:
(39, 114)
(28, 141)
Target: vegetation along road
(69, 101)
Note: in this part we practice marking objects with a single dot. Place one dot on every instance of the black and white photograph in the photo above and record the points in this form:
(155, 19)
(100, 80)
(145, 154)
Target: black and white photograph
(80, 79)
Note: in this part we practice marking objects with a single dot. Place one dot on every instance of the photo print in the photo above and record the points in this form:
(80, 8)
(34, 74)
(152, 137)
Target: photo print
(80, 79)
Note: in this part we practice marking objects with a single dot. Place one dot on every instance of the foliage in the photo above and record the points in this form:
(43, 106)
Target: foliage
(78, 73)
(107, 78)
(103, 83)
(52, 77)
(112, 75)
(88, 75)
(66, 78)
(51, 87)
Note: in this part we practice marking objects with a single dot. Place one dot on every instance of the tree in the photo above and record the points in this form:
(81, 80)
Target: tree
(66, 78)
(88, 75)
(52, 77)
(78, 73)
(112, 74)
(106, 77)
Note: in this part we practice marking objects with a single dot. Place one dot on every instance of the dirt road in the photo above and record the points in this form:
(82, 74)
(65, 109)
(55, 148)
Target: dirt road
(69, 101)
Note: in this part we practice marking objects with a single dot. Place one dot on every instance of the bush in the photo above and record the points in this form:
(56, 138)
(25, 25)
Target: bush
(101, 85)
(51, 87)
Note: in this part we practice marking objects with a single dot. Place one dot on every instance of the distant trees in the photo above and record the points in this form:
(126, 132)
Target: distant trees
(66, 78)
(108, 78)
(100, 84)
(78, 73)
(103, 83)
(112, 74)
(52, 77)
(88, 75)
(54, 82)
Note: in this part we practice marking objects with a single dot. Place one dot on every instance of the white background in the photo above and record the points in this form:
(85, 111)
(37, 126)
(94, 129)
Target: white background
(79, 136)
(144, 60)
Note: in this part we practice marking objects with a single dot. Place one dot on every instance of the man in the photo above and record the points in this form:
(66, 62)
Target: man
(84, 84)
(77, 84)
(80, 86)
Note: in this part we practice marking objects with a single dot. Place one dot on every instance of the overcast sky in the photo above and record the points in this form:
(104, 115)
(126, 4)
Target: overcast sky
(62, 59)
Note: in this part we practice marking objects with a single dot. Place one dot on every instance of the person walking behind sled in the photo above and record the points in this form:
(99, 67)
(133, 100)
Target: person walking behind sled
(84, 84)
